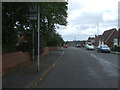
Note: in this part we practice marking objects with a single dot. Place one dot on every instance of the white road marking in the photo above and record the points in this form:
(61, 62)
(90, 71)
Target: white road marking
(108, 62)
(94, 56)
(98, 58)
(108, 67)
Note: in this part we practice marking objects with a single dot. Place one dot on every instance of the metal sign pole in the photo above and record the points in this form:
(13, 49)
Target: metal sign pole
(33, 17)
(38, 39)
(33, 45)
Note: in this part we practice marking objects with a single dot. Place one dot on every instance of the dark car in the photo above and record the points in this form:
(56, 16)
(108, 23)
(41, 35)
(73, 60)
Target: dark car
(78, 45)
(103, 48)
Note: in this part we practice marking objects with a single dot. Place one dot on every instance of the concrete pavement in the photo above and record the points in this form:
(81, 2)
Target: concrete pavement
(114, 52)
(26, 75)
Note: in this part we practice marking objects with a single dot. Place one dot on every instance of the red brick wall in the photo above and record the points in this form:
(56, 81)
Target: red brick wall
(45, 52)
(47, 49)
(53, 48)
(11, 60)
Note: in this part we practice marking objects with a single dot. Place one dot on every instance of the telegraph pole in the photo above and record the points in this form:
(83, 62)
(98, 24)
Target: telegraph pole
(75, 38)
(97, 28)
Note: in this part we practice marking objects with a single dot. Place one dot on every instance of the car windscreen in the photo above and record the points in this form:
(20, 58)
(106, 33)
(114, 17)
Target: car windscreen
(89, 44)
(104, 46)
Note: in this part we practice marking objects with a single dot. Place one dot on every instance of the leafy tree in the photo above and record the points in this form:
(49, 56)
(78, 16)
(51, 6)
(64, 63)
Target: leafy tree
(15, 22)
(52, 14)
(13, 14)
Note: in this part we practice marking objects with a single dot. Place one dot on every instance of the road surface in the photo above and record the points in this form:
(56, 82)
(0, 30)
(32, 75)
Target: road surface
(80, 68)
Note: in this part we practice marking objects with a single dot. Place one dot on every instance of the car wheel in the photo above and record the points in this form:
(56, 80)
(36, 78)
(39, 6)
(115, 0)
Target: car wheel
(100, 51)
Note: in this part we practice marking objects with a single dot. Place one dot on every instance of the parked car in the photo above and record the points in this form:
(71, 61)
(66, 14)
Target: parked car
(103, 48)
(65, 46)
(78, 45)
(89, 47)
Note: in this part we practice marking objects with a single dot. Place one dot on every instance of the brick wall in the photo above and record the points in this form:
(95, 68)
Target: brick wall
(45, 52)
(53, 48)
(11, 60)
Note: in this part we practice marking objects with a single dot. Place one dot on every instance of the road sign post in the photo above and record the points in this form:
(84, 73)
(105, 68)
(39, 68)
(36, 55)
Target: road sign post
(38, 19)
(35, 15)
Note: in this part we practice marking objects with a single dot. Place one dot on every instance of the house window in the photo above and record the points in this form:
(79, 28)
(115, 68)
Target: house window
(115, 41)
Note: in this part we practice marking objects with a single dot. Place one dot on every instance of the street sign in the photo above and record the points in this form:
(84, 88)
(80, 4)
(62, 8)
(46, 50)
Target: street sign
(33, 13)
(33, 16)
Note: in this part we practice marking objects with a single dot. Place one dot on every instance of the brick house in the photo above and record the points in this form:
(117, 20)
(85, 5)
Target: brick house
(119, 38)
(109, 37)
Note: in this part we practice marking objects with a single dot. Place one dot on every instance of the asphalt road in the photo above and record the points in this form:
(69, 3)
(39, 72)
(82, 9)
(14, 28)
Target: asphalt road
(80, 68)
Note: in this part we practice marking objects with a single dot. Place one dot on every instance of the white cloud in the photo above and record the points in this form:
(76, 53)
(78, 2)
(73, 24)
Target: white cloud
(83, 15)
(108, 16)
(74, 14)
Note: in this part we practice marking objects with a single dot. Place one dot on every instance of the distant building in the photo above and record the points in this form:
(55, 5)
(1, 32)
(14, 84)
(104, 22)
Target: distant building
(83, 43)
(91, 40)
(70, 43)
(98, 40)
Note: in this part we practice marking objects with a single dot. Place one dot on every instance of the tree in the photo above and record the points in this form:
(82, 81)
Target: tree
(11, 14)
(15, 22)
(51, 15)
(15, 19)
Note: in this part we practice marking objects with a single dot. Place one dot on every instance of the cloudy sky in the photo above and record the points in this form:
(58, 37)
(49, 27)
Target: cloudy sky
(85, 17)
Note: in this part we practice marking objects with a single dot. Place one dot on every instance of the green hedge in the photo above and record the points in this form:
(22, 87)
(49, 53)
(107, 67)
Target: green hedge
(115, 48)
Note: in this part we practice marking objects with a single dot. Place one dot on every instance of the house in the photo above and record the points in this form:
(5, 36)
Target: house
(98, 40)
(115, 40)
(109, 37)
(83, 42)
(119, 37)
(91, 40)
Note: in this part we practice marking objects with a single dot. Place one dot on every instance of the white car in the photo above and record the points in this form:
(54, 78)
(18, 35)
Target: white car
(89, 47)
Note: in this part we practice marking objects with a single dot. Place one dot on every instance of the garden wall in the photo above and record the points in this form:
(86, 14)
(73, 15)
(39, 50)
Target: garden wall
(11, 60)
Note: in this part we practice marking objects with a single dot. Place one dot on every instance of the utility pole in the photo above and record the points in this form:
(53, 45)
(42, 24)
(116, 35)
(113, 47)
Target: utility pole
(97, 28)
(38, 19)
(75, 38)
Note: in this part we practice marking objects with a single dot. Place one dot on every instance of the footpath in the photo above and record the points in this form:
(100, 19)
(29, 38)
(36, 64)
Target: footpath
(115, 52)
(26, 75)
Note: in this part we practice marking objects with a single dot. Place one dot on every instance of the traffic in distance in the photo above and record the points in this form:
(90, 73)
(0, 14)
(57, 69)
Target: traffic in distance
(100, 48)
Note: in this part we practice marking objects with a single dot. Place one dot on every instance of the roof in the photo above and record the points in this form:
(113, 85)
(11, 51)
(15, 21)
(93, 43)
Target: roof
(108, 33)
(91, 38)
(119, 33)
(98, 37)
